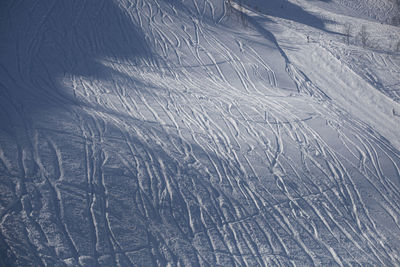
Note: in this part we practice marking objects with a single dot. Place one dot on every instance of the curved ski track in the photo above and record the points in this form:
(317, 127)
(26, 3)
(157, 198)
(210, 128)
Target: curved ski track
(216, 152)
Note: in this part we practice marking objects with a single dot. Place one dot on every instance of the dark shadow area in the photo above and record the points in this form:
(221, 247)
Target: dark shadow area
(286, 10)
(44, 41)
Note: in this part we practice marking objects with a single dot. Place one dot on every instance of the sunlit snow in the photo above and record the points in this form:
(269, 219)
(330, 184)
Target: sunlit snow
(199, 133)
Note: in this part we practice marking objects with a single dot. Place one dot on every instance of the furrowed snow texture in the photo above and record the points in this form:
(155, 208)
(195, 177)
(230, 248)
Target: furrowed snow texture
(190, 133)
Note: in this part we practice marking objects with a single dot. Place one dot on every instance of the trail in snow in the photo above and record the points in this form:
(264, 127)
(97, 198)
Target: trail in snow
(172, 134)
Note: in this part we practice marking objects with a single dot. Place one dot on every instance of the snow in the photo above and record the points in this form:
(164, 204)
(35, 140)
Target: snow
(204, 132)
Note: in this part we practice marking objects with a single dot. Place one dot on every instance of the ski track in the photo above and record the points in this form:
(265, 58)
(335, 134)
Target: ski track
(198, 156)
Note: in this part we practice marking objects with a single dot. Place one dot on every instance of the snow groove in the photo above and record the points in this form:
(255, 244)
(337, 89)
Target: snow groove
(208, 148)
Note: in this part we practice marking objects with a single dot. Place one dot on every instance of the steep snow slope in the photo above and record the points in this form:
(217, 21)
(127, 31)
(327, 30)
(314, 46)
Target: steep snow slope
(378, 62)
(378, 10)
(185, 133)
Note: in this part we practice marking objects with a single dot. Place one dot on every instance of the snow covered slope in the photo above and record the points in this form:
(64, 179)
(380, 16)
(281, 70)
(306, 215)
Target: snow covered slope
(201, 132)
(385, 11)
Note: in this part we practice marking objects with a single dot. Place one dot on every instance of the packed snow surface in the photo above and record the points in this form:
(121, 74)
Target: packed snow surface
(199, 133)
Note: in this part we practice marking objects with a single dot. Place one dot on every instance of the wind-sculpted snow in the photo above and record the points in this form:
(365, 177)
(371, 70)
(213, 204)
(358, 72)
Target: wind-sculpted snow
(168, 133)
